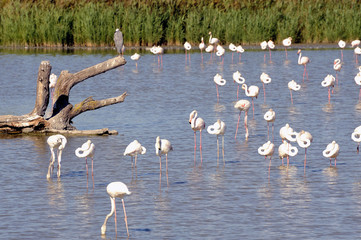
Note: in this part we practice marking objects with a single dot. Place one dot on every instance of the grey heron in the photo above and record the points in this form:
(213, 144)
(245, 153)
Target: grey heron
(118, 40)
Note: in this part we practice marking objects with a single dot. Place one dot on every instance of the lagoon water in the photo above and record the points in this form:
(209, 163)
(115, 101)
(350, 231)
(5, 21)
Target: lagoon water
(237, 200)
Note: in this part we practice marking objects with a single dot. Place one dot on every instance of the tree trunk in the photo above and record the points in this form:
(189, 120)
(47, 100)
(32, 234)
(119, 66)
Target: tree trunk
(63, 111)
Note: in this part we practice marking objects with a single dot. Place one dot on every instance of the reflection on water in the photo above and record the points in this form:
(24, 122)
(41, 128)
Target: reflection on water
(191, 201)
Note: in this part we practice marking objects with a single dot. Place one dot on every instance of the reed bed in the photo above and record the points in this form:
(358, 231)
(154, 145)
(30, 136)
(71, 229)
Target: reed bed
(172, 22)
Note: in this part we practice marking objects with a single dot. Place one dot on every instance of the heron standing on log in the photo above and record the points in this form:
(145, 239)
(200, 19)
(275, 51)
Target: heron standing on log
(118, 40)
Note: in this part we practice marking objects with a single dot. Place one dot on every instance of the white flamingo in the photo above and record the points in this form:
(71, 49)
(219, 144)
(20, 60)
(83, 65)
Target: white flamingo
(287, 150)
(240, 50)
(56, 141)
(197, 124)
(264, 47)
(270, 117)
(242, 105)
(218, 128)
(331, 151)
(85, 151)
(303, 61)
(232, 48)
(212, 40)
(237, 77)
(267, 150)
(356, 136)
(358, 81)
(162, 146)
(209, 49)
(329, 81)
(202, 46)
(287, 43)
(187, 47)
(293, 86)
(218, 79)
(251, 91)
(271, 45)
(133, 149)
(342, 45)
(304, 140)
(357, 52)
(116, 190)
(337, 67)
(159, 51)
(355, 43)
(265, 79)
(135, 57)
(220, 52)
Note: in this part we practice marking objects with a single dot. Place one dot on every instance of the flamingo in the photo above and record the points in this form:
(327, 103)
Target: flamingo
(264, 47)
(355, 43)
(267, 150)
(242, 105)
(265, 79)
(304, 140)
(286, 43)
(357, 52)
(331, 151)
(52, 82)
(293, 86)
(187, 47)
(56, 141)
(358, 81)
(270, 45)
(287, 135)
(219, 81)
(220, 52)
(202, 46)
(116, 190)
(85, 151)
(159, 51)
(197, 124)
(240, 50)
(270, 117)
(287, 150)
(342, 45)
(212, 40)
(135, 57)
(133, 149)
(237, 77)
(329, 82)
(356, 136)
(232, 48)
(162, 146)
(210, 49)
(337, 67)
(218, 128)
(251, 91)
(303, 61)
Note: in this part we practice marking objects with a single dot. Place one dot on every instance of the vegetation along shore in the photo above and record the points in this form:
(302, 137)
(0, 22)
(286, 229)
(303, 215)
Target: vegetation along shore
(172, 22)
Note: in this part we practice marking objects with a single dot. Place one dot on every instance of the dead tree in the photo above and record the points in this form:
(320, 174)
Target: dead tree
(62, 111)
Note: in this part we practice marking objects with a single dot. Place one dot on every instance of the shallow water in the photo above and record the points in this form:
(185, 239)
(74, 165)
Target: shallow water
(239, 200)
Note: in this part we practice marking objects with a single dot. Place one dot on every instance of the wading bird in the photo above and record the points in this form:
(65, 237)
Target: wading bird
(232, 48)
(85, 151)
(271, 45)
(293, 86)
(218, 128)
(135, 57)
(287, 150)
(337, 67)
(251, 91)
(358, 81)
(286, 43)
(197, 124)
(118, 41)
(264, 47)
(265, 79)
(56, 141)
(304, 140)
(329, 82)
(116, 190)
(270, 117)
(342, 45)
(303, 61)
(202, 46)
(133, 149)
(237, 77)
(162, 146)
(242, 105)
(331, 151)
(356, 136)
(267, 150)
(187, 47)
(218, 79)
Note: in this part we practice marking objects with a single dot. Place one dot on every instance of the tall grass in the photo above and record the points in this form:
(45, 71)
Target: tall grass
(172, 22)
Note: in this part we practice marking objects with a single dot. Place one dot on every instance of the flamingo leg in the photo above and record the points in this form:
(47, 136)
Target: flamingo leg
(341, 55)
(270, 56)
(273, 127)
(125, 217)
(240, 57)
(166, 167)
(200, 145)
(217, 150)
(223, 149)
(358, 147)
(264, 93)
(335, 162)
(267, 130)
(235, 136)
(195, 147)
(264, 58)
(245, 124)
(238, 91)
(329, 95)
(286, 53)
(135, 163)
(253, 108)
(86, 165)
(269, 167)
(160, 162)
(217, 93)
(115, 217)
(304, 165)
(291, 96)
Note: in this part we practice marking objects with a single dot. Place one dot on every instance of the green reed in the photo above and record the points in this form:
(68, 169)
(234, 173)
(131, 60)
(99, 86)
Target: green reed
(172, 22)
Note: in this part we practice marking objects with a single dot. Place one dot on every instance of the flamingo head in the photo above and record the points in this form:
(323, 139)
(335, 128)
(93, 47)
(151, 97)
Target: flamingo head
(299, 51)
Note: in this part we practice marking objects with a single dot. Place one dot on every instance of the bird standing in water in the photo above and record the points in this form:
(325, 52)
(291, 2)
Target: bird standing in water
(55, 141)
(118, 41)
(218, 128)
(197, 124)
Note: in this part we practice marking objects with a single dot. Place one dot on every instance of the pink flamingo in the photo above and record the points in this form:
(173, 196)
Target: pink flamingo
(304, 140)
(358, 81)
(251, 91)
(286, 43)
(265, 79)
(187, 47)
(293, 86)
(270, 117)
(197, 124)
(329, 82)
(267, 150)
(303, 61)
(242, 105)
(219, 81)
(331, 151)
(337, 67)
(237, 77)
(342, 45)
